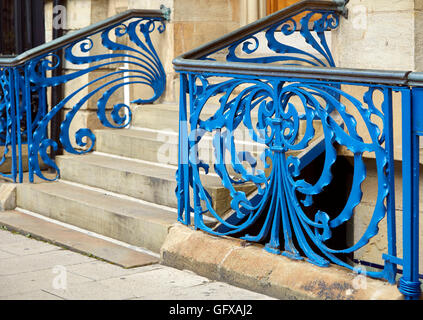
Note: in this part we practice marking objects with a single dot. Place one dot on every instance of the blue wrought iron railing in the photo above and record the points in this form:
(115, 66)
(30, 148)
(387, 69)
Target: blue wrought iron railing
(276, 80)
(100, 52)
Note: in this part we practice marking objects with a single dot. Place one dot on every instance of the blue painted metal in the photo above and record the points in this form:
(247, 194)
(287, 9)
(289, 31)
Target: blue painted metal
(8, 129)
(409, 283)
(282, 196)
(282, 212)
(312, 28)
(124, 43)
(183, 173)
(387, 117)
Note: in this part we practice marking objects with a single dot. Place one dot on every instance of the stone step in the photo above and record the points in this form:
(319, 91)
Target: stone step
(130, 221)
(156, 116)
(158, 147)
(6, 165)
(141, 180)
(74, 240)
(166, 116)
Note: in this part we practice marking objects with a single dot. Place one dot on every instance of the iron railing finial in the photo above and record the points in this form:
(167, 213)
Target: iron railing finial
(342, 4)
(166, 12)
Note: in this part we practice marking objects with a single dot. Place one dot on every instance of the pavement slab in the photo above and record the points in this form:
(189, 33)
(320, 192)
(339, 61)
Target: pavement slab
(98, 270)
(33, 295)
(24, 248)
(24, 283)
(4, 255)
(47, 260)
(60, 274)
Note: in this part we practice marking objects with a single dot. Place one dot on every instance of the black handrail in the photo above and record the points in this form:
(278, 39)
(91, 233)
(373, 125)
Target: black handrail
(300, 72)
(261, 24)
(79, 34)
(189, 61)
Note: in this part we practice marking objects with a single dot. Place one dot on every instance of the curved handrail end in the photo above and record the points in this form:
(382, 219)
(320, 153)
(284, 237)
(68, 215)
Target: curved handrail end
(81, 33)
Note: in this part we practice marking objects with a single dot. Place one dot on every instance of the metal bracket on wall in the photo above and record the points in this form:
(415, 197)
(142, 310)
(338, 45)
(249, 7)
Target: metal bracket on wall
(166, 12)
(342, 4)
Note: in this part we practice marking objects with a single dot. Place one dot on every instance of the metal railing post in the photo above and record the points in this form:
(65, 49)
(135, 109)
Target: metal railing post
(183, 165)
(409, 284)
(11, 115)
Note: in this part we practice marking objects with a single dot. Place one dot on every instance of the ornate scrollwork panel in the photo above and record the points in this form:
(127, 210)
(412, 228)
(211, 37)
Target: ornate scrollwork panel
(297, 40)
(282, 116)
(121, 55)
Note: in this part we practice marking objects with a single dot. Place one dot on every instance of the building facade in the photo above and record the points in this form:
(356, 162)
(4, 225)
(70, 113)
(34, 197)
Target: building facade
(376, 35)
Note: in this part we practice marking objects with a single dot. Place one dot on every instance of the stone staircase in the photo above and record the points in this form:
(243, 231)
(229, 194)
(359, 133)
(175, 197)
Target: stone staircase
(125, 189)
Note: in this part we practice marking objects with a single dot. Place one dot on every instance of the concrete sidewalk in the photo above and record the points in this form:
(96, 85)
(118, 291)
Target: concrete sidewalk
(35, 270)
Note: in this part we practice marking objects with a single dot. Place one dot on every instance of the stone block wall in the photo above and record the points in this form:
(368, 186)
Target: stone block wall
(381, 35)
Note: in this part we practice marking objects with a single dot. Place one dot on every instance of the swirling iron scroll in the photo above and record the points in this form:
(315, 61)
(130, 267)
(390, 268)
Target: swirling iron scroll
(310, 26)
(281, 197)
(7, 118)
(144, 68)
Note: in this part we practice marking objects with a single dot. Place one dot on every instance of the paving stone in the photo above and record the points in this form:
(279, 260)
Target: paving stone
(47, 260)
(92, 290)
(9, 237)
(224, 291)
(4, 254)
(98, 270)
(158, 279)
(163, 283)
(24, 248)
(63, 274)
(155, 284)
(207, 291)
(23, 283)
(33, 295)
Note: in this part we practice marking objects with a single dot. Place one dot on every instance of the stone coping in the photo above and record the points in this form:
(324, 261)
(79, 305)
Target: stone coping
(249, 266)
